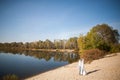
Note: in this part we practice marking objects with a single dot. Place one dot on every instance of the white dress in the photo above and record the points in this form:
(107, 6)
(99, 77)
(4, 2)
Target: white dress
(81, 67)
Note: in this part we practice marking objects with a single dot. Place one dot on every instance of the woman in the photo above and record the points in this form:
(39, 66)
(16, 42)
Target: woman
(81, 67)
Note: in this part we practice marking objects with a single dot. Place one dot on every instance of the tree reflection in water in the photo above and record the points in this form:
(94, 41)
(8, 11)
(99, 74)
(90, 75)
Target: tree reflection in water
(57, 56)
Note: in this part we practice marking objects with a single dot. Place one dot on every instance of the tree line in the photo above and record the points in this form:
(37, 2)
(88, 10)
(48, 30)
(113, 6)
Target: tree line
(71, 43)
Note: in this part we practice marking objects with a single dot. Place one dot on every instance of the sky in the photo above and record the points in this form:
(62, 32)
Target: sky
(33, 20)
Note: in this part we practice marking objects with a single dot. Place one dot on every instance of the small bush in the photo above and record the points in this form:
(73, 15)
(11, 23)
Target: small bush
(10, 77)
(92, 54)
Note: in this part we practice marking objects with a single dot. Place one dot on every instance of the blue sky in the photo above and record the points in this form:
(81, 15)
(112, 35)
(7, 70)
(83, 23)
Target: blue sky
(33, 20)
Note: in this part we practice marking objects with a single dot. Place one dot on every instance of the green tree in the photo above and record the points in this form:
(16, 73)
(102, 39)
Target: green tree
(100, 36)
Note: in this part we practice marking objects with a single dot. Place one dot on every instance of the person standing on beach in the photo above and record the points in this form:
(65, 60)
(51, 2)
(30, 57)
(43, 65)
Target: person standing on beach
(81, 67)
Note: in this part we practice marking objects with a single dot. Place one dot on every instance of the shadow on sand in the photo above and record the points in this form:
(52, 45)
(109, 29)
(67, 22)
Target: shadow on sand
(92, 71)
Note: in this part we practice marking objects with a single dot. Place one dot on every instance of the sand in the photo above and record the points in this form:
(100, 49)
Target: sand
(107, 68)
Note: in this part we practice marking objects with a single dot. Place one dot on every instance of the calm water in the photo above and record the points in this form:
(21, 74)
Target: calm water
(27, 64)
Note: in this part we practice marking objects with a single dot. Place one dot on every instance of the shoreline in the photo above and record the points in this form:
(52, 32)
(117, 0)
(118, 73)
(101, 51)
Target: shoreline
(106, 68)
(53, 50)
(45, 50)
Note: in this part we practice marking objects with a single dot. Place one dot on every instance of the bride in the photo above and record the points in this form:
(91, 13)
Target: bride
(81, 67)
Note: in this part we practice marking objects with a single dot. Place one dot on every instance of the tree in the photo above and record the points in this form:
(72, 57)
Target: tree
(59, 44)
(117, 35)
(106, 33)
(100, 36)
(49, 44)
(72, 43)
(40, 44)
(81, 43)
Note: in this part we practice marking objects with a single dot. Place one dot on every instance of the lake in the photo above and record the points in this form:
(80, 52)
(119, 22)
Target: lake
(29, 63)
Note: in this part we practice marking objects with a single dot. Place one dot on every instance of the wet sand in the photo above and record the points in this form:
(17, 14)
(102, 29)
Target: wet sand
(107, 68)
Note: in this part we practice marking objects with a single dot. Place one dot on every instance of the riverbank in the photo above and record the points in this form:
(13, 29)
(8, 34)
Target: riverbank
(41, 50)
(107, 68)
(53, 50)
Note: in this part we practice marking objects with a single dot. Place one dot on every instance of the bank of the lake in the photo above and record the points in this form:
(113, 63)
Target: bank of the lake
(45, 50)
(54, 50)
(107, 68)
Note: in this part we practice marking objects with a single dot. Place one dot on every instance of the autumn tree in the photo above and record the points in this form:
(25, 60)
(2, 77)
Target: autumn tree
(81, 43)
(100, 36)
(59, 44)
(49, 44)
(72, 43)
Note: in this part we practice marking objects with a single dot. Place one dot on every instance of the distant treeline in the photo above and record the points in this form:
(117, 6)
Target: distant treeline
(47, 44)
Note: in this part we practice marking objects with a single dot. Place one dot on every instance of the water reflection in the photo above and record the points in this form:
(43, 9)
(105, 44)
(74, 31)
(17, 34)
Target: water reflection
(28, 63)
(58, 56)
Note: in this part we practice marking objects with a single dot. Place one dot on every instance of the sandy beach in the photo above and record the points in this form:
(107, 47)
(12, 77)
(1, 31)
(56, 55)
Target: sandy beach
(107, 68)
